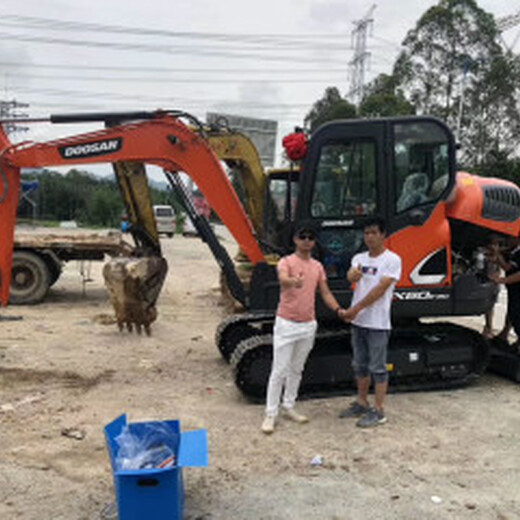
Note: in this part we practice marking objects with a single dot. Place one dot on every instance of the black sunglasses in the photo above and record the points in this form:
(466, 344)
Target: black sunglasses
(306, 236)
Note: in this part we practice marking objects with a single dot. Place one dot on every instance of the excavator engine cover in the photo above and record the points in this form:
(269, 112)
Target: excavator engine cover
(133, 286)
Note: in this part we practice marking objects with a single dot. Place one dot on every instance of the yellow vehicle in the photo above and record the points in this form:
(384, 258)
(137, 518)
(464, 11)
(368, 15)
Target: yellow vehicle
(270, 195)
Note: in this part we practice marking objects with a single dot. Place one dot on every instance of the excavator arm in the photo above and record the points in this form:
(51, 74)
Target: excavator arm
(235, 149)
(159, 138)
(240, 154)
(133, 185)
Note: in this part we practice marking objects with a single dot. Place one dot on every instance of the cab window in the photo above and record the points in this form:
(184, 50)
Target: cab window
(421, 164)
(345, 183)
(280, 207)
(164, 212)
(283, 208)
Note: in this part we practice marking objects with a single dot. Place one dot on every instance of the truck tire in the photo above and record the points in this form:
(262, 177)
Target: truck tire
(55, 268)
(30, 278)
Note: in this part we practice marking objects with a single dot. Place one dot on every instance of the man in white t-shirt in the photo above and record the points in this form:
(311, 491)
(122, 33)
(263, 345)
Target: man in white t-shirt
(375, 273)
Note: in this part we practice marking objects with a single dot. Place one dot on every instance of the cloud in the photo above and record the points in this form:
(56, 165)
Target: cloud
(16, 55)
(335, 15)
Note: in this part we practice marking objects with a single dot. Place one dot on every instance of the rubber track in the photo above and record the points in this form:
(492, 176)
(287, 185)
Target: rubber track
(236, 322)
(245, 355)
(259, 347)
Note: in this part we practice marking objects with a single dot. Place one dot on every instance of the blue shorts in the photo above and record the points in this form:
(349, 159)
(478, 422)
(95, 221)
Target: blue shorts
(370, 347)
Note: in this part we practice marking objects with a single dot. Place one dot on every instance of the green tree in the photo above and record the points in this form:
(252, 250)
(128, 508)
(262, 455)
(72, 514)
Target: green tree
(104, 206)
(499, 164)
(81, 196)
(452, 66)
(491, 118)
(331, 106)
(383, 98)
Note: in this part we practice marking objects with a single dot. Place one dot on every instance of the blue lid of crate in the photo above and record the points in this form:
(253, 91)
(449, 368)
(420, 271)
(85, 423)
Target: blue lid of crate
(193, 449)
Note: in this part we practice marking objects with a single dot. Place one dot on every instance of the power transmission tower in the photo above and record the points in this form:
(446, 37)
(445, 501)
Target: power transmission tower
(508, 22)
(361, 56)
(9, 110)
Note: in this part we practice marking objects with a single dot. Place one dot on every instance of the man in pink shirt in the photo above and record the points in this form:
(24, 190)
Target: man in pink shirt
(295, 326)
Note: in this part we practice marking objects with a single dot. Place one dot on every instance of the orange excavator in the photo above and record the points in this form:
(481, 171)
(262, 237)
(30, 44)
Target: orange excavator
(129, 141)
(402, 169)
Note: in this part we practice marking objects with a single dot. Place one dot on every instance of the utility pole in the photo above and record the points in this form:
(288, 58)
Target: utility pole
(361, 56)
(10, 110)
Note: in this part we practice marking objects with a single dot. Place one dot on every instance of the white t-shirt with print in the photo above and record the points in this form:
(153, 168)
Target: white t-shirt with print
(386, 265)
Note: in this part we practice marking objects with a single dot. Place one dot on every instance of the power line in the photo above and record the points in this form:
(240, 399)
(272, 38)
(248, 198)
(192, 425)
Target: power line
(394, 44)
(163, 49)
(57, 24)
(162, 99)
(294, 42)
(116, 68)
(508, 22)
(173, 81)
(504, 24)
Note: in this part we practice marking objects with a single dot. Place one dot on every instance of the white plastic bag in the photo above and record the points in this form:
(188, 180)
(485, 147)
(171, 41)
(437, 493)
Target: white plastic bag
(154, 447)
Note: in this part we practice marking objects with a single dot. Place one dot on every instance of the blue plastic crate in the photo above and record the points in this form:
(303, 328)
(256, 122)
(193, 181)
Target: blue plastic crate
(156, 494)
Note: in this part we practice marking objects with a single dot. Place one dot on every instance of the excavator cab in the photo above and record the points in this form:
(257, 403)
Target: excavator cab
(384, 167)
(402, 169)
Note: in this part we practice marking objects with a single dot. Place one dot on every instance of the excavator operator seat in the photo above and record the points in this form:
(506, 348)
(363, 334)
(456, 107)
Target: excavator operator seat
(415, 189)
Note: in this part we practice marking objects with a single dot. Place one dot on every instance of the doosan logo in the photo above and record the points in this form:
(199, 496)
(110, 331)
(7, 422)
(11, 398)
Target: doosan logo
(91, 149)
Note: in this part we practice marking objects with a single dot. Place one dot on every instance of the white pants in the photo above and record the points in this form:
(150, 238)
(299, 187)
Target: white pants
(292, 343)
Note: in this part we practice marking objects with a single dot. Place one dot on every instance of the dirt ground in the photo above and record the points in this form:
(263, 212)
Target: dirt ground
(65, 373)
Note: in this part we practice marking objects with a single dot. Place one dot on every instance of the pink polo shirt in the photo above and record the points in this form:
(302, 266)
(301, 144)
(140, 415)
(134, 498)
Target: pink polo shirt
(299, 304)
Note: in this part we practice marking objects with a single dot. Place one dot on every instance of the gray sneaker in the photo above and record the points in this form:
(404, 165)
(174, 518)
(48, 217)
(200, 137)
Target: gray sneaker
(372, 418)
(354, 410)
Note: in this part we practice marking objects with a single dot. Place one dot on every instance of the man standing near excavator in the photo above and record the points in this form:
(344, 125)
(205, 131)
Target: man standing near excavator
(295, 326)
(511, 266)
(375, 273)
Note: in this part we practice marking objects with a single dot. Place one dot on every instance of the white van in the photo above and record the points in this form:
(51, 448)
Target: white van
(165, 219)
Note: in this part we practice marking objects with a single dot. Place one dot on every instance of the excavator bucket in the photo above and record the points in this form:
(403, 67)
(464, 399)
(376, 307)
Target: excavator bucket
(133, 286)
(134, 283)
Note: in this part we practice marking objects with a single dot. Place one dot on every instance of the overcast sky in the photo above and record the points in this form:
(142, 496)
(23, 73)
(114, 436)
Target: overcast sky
(271, 59)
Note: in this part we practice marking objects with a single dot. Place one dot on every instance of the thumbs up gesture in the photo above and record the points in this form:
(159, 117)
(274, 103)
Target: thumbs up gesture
(298, 281)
